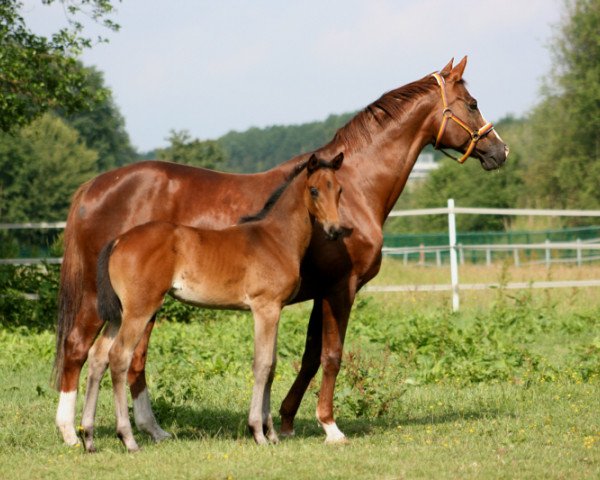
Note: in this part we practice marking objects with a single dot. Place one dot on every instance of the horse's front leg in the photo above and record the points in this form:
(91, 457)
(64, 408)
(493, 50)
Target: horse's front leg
(336, 312)
(136, 377)
(311, 360)
(260, 420)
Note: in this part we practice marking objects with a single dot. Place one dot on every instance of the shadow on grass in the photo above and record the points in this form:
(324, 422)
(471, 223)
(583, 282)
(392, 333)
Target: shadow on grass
(189, 423)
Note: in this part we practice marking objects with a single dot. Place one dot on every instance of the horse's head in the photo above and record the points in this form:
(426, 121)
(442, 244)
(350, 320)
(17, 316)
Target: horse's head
(322, 193)
(459, 124)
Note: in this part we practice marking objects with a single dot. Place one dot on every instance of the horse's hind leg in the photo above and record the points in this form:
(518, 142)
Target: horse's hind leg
(97, 364)
(86, 327)
(266, 320)
(136, 377)
(120, 355)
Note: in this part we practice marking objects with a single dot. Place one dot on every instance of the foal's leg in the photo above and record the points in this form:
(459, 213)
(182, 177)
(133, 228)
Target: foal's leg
(142, 409)
(269, 429)
(120, 355)
(97, 364)
(86, 326)
(311, 361)
(266, 320)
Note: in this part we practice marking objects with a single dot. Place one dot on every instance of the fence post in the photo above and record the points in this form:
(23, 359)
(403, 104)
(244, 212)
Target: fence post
(547, 242)
(488, 257)
(579, 252)
(516, 257)
(453, 259)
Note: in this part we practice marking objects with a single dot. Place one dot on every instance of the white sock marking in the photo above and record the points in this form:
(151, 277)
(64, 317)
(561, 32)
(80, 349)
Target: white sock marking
(65, 417)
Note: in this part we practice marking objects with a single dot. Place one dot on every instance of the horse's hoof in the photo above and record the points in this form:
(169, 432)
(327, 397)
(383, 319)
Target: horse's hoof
(334, 434)
(160, 436)
(337, 441)
(287, 434)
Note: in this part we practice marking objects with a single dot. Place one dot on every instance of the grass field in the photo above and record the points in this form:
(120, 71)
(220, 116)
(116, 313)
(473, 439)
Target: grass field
(507, 388)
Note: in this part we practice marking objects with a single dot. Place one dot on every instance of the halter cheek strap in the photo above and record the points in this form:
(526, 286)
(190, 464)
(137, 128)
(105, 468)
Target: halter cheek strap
(447, 114)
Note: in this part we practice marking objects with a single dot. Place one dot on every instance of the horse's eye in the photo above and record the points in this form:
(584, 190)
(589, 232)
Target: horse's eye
(473, 105)
(314, 192)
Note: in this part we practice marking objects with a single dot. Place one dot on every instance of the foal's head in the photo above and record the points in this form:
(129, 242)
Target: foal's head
(322, 193)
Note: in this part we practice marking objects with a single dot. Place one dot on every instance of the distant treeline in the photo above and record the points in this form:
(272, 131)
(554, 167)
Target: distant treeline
(259, 149)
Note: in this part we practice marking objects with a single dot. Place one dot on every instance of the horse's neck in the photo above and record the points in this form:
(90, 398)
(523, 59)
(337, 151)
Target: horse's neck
(289, 221)
(385, 162)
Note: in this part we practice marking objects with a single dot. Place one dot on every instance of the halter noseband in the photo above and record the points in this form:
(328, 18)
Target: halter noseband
(447, 114)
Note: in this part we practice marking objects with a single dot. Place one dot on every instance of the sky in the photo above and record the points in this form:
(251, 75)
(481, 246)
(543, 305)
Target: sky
(212, 66)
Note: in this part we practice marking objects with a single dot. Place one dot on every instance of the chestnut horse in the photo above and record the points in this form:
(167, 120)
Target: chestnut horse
(251, 266)
(380, 145)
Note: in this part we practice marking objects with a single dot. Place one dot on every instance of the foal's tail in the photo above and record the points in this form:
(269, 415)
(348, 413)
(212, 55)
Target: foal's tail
(109, 305)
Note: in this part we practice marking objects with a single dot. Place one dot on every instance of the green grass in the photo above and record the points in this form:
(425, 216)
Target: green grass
(507, 388)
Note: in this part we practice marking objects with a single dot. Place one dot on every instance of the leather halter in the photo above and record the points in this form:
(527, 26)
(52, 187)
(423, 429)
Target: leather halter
(447, 114)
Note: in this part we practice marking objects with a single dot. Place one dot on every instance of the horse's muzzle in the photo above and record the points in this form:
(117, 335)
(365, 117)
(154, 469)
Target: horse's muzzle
(332, 231)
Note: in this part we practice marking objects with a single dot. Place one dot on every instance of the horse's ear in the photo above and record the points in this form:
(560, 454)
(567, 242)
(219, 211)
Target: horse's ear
(336, 163)
(313, 164)
(444, 72)
(457, 72)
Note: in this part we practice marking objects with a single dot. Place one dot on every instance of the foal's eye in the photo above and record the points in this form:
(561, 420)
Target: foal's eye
(314, 192)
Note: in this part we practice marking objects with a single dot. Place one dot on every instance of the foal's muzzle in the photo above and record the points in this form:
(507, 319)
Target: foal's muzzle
(332, 231)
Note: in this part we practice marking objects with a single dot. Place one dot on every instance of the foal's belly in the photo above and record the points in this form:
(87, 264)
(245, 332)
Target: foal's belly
(209, 294)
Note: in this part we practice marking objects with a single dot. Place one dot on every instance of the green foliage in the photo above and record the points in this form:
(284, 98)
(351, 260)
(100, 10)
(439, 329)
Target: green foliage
(16, 283)
(195, 152)
(40, 168)
(102, 127)
(259, 149)
(38, 73)
(564, 147)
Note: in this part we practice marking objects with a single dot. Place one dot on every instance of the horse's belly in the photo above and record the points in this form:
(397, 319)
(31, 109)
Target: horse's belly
(208, 294)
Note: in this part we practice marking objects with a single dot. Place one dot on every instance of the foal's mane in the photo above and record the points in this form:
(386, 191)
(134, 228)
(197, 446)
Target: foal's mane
(386, 109)
(278, 192)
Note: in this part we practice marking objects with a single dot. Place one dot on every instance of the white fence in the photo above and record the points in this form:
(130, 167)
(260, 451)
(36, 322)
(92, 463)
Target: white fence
(454, 286)
(456, 251)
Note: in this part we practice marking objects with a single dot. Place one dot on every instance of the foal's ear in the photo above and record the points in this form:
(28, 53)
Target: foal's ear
(336, 163)
(313, 164)
(457, 72)
(444, 72)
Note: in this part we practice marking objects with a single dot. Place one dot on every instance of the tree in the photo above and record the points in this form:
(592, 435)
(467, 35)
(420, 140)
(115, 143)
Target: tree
(102, 127)
(195, 152)
(564, 151)
(38, 73)
(259, 149)
(40, 168)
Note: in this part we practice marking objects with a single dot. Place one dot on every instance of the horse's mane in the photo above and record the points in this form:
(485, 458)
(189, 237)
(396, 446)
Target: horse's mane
(388, 108)
(278, 192)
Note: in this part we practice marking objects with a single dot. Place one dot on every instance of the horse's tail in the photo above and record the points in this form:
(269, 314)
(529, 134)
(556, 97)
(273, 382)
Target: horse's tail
(71, 288)
(109, 305)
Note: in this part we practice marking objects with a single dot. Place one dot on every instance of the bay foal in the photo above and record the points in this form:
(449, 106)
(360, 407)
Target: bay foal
(254, 265)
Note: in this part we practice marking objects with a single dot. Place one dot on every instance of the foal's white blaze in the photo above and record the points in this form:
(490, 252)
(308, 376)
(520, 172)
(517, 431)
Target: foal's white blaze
(334, 434)
(144, 418)
(65, 417)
